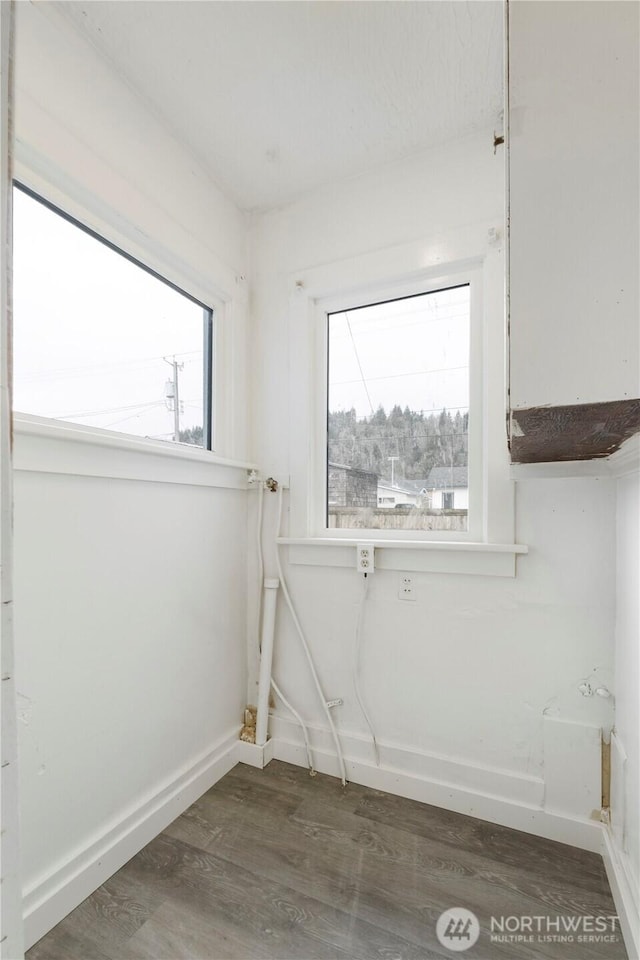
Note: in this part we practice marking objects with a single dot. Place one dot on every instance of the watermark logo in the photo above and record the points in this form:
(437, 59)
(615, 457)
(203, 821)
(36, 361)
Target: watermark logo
(457, 929)
(567, 928)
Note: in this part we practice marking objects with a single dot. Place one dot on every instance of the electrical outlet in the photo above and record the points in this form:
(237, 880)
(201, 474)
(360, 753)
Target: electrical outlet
(364, 558)
(405, 589)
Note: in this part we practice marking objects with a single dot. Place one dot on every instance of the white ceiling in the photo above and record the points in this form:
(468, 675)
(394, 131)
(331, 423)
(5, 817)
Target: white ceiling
(277, 98)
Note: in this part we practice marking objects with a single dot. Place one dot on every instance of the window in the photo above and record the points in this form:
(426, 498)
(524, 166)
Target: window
(471, 265)
(398, 413)
(101, 340)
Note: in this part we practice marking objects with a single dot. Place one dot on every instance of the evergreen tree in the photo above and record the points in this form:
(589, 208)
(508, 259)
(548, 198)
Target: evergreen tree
(193, 435)
(419, 441)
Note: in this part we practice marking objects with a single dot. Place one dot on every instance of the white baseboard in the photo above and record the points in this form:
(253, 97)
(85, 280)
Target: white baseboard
(625, 892)
(253, 755)
(52, 897)
(491, 794)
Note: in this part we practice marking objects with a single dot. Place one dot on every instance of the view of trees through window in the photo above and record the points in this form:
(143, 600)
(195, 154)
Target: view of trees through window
(98, 339)
(398, 414)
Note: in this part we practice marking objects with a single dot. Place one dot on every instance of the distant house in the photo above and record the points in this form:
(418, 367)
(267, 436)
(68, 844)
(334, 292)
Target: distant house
(448, 488)
(351, 487)
(409, 493)
(391, 496)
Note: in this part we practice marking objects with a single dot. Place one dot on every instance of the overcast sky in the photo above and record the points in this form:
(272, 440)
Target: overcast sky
(91, 329)
(412, 352)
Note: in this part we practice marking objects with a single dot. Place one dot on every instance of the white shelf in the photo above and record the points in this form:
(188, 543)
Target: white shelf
(425, 556)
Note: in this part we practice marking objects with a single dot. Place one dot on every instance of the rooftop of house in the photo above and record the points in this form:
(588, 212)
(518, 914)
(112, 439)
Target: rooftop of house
(404, 486)
(440, 478)
(360, 470)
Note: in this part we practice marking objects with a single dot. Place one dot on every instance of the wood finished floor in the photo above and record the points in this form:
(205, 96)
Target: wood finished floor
(275, 865)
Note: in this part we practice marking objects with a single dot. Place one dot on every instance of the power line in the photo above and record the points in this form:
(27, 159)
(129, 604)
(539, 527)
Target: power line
(87, 369)
(400, 436)
(399, 376)
(99, 413)
(464, 406)
(396, 322)
(355, 350)
(132, 416)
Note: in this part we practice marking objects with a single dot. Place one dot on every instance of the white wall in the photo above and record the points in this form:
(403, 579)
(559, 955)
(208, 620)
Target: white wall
(460, 499)
(574, 185)
(460, 681)
(130, 564)
(625, 758)
(79, 124)
(85, 142)
(473, 684)
(425, 198)
(11, 939)
(130, 644)
(470, 668)
(575, 337)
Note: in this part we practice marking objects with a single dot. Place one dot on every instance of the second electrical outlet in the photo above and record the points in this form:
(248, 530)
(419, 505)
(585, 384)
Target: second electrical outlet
(405, 588)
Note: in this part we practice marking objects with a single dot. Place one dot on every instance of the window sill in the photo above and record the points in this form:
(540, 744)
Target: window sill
(43, 445)
(426, 556)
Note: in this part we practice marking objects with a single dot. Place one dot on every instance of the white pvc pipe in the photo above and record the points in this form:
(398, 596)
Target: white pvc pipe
(305, 647)
(260, 555)
(276, 688)
(266, 657)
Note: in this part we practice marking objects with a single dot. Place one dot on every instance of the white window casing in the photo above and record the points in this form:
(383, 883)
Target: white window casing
(468, 255)
(223, 291)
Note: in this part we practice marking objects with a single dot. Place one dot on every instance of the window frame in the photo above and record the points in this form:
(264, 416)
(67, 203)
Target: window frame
(475, 247)
(467, 275)
(209, 331)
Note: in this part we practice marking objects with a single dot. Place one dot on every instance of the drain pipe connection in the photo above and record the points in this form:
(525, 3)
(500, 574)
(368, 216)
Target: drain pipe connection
(266, 658)
(272, 486)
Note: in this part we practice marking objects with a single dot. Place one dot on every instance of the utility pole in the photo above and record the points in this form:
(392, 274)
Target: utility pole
(172, 393)
(393, 459)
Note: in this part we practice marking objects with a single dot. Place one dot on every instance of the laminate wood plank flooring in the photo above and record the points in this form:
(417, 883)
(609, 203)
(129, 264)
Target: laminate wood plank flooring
(276, 865)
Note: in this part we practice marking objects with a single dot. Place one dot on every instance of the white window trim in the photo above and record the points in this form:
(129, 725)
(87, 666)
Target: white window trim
(469, 274)
(226, 295)
(50, 446)
(462, 255)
